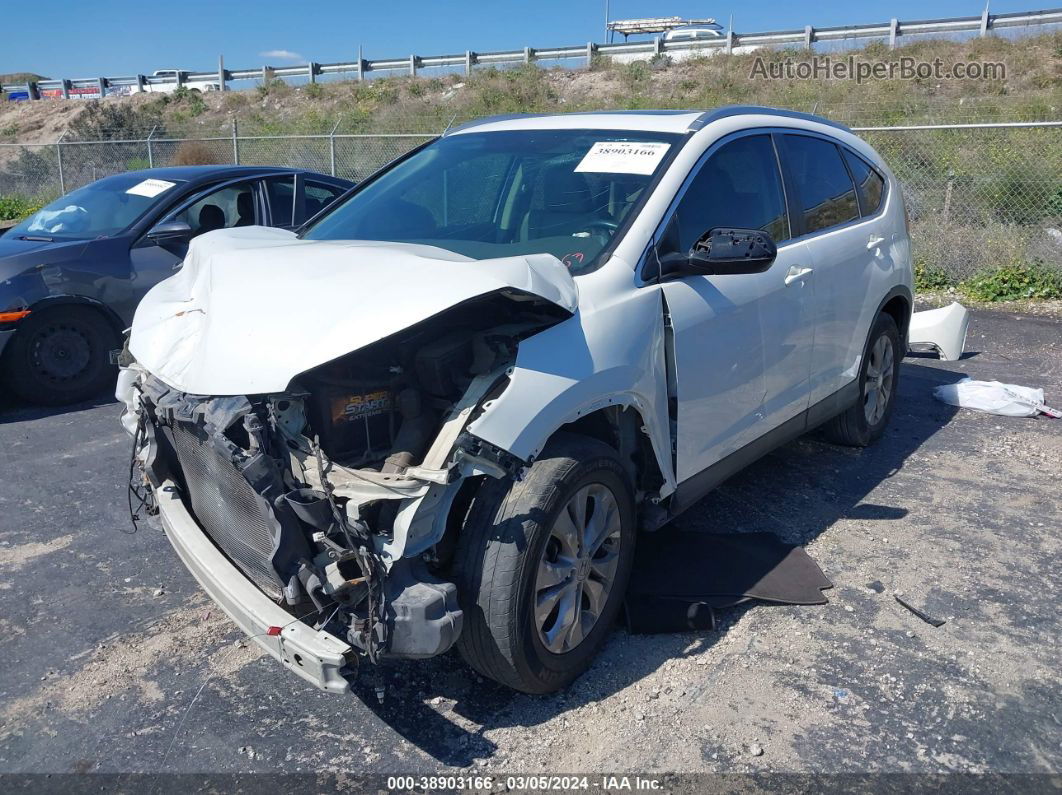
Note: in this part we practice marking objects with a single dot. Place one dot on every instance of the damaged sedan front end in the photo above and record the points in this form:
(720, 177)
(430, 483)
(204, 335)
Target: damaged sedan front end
(326, 504)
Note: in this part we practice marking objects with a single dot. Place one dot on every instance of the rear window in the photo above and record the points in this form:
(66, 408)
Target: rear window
(827, 195)
(869, 182)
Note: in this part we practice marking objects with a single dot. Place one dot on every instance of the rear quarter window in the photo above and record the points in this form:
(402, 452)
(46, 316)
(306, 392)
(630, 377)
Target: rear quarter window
(869, 182)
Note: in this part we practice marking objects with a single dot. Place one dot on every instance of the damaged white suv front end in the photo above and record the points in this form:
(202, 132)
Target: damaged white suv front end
(326, 477)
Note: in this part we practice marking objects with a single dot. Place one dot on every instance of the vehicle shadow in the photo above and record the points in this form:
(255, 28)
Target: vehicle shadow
(12, 411)
(797, 492)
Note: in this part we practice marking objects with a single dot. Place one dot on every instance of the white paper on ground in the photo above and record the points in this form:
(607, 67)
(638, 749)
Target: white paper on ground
(150, 187)
(623, 157)
(1008, 400)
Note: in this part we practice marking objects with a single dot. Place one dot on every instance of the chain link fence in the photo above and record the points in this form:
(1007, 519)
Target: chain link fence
(979, 196)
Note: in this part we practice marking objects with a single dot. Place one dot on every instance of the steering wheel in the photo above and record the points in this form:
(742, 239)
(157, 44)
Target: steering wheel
(600, 223)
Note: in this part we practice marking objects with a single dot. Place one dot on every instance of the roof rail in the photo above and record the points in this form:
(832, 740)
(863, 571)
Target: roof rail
(740, 110)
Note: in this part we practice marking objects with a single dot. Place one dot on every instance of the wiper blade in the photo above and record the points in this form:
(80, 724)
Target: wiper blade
(37, 238)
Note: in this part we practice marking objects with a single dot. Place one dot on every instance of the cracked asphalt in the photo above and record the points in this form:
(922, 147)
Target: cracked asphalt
(114, 662)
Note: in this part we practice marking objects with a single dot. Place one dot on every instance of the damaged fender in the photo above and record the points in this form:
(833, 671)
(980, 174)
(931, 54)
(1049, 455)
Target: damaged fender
(603, 356)
(943, 330)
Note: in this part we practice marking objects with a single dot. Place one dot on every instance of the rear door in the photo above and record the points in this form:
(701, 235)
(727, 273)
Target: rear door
(842, 229)
(742, 342)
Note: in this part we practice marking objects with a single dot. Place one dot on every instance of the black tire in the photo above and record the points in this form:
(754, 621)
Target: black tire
(60, 356)
(497, 565)
(854, 428)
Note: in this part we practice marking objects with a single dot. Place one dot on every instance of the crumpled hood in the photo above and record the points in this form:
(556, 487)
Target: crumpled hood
(253, 307)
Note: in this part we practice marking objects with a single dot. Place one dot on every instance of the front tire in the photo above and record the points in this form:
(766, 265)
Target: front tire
(879, 376)
(542, 566)
(60, 356)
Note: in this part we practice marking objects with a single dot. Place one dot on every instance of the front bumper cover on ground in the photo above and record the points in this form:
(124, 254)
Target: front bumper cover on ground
(318, 657)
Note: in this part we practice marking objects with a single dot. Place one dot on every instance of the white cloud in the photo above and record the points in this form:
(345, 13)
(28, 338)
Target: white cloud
(282, 55)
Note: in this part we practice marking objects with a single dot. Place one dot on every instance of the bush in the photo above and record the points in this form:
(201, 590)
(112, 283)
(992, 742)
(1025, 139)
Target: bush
(15, 208)
(930, 277)
(196, 153)
(1015, 283)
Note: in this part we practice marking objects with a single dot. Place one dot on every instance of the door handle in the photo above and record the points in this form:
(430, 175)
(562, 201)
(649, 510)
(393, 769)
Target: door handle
(874, 242)
(795, 273)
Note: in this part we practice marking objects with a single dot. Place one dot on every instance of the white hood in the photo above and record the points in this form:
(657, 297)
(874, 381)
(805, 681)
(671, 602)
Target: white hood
(253, 307)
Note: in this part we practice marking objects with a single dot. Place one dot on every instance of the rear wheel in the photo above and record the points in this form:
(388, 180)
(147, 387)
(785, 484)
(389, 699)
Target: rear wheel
(60, 356)
(864, 422)
(542, 566)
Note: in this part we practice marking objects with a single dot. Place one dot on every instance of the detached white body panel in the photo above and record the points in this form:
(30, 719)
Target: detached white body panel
(942, 329)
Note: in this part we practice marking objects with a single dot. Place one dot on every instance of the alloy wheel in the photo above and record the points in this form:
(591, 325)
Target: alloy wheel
(877, 390)
(578, 567)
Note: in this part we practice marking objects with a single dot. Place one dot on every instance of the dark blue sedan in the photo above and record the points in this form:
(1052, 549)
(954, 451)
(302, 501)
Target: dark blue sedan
(72, 274)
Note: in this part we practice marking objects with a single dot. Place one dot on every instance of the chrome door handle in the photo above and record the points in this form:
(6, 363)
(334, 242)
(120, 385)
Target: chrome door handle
(874, 242)
(795, 272)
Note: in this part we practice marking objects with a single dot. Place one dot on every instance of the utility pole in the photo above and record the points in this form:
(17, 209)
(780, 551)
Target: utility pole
(606, 22)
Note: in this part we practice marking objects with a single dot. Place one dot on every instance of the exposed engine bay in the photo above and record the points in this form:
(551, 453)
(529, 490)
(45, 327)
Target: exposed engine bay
(334, 496)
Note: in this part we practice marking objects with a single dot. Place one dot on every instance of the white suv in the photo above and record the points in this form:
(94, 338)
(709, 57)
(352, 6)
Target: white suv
(443, 412)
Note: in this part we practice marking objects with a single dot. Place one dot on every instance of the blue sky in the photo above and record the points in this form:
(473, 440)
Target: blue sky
(76, 38)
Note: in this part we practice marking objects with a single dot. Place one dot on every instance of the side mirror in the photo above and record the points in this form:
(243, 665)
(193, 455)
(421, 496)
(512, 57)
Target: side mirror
(169, 231)
(732, 251)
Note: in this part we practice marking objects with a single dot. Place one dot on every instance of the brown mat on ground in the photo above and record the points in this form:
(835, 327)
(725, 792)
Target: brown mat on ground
(679, 577)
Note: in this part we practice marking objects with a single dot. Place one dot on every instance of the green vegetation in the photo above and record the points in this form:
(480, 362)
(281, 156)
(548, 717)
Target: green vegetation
(1015, 283)
(15, 208)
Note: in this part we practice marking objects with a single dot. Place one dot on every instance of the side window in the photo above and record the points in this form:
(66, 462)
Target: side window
(739, 186)
(869, 182)
(827, 195)
(231, 206)
(281, 194)
(319, 196)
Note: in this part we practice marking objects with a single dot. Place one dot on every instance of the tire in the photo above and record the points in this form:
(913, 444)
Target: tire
(864, 422)
(60, 356)
(511, 550)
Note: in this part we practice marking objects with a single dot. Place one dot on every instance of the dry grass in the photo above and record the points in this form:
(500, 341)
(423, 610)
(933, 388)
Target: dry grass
(195, 153)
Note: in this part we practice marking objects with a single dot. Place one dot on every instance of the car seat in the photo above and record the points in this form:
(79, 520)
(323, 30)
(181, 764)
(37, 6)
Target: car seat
(245, 209)
(211, 217)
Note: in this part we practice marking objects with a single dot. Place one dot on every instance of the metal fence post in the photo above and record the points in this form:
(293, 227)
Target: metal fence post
(985, 21)
(151, 155)
(470, 58)
(361, 65)
(66, 88)
(59, 159)
(894, 30)
(221, 73)
(235, 143)
(332, 149)
(809, 36)
(590, 54)
(412, 66)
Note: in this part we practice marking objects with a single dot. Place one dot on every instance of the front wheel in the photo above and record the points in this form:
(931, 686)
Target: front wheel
(60, 356)
(864, 422)
(542, 566)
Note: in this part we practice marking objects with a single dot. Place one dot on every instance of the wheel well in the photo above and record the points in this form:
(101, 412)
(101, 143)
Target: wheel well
(621, 429)
(900, 311)
(48, 304)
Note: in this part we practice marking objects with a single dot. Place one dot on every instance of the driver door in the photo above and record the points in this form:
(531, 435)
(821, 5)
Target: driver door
(742, 343)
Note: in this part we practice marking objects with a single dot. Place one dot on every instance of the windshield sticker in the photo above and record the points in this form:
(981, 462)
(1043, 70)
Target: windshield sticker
(623, 157)
(150, 187)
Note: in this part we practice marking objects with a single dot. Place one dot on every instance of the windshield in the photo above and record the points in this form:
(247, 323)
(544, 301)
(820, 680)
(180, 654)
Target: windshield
(101, 209)
(502, 194)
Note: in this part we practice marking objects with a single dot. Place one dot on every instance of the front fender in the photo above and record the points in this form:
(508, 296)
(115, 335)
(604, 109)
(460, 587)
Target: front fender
(608, 355)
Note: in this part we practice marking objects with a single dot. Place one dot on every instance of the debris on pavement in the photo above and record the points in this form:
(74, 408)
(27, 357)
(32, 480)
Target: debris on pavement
(1007, 400)
(933, 622)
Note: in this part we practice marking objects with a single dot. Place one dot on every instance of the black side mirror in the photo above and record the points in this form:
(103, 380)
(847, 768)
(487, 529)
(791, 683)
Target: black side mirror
(732, 251)
(170, 231)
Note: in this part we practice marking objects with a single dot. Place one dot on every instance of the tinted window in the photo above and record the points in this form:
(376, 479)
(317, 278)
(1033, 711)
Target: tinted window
(870, 184)
(281, 192)
(738, 187)
(827, 195)
(231, 206)
(319, 196)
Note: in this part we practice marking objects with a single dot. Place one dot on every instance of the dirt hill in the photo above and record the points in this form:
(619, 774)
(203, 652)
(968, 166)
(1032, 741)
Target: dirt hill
(1031, 90)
